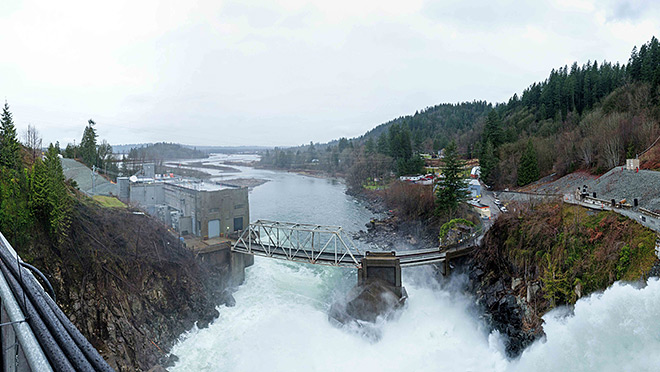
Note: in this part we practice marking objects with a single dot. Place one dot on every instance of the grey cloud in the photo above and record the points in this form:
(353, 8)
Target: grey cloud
(485, 14)
(266, 75)
(256, 16)
(631, 10)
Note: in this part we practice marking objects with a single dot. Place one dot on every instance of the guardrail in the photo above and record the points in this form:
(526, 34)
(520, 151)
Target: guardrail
(649, 212)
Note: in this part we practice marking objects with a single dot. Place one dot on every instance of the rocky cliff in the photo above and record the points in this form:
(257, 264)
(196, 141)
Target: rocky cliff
(126, 282)
(550, 255)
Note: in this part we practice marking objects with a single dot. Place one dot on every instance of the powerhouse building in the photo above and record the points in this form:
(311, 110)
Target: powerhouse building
(206, 210)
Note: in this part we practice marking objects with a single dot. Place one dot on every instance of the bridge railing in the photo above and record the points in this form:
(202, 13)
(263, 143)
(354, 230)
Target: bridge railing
(317, 244)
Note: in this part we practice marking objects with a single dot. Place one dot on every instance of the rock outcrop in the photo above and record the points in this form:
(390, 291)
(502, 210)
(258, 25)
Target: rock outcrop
(126, 282)
(367, 302)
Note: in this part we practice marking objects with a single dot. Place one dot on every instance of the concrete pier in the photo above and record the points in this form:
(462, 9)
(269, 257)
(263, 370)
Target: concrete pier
(385, 266)
(217, 252)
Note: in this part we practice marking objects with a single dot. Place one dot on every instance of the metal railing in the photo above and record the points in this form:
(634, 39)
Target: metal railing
(317, 244)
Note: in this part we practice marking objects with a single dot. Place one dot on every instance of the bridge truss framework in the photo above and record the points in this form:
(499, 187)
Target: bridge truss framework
(316, 244)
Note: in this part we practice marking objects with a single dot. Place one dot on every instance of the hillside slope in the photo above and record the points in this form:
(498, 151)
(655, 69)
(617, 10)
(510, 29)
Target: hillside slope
(584, 117)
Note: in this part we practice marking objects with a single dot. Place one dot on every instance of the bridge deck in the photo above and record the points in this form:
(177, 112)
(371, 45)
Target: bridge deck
(407, 258)
(327, 245)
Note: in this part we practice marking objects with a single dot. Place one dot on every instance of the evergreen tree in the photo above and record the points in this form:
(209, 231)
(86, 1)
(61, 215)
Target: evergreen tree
(14, 211)
(452, 188)
(10, 149)
(311, 151)
(488, 163)
(370, 146)
(528, 169)
(343, 144)
(49, 198)
(40, 187)
(70, 151)
(382, 146)
(493, 129)
(60, 201)
(88, 150)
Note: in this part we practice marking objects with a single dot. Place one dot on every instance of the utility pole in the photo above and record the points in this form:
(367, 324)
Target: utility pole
(94, 179)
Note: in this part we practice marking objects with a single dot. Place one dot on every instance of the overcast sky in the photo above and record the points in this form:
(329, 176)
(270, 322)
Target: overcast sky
(288, 71)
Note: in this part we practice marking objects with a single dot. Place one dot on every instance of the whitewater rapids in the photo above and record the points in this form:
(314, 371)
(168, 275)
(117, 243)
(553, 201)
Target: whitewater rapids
(280, 324)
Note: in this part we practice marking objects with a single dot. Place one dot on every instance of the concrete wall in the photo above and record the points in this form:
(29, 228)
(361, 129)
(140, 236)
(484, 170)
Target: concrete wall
(124, 186)
(96, 185)
(181, 199)
(235, 262)
(147, 194)
(224, 205)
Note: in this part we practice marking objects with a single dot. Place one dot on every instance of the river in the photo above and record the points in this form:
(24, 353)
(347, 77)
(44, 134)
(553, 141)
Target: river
(280, 320)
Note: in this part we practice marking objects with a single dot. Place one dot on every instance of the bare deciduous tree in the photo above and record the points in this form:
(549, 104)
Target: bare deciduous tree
(587, 152)
(32, 140)
(608, 131)
(612, 151)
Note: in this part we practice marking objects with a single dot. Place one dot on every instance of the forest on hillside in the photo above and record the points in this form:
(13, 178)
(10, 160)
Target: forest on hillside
(164, 151)
(591, 116)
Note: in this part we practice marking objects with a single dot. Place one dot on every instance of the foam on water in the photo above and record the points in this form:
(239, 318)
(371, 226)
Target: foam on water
(280, 324)
(618, 330)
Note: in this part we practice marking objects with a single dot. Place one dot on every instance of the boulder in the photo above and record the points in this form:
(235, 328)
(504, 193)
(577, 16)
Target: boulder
(367, 302)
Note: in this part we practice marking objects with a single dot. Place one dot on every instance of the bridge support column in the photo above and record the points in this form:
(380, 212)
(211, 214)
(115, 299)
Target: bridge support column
(237, 264)
(447, 267)
(383, 266)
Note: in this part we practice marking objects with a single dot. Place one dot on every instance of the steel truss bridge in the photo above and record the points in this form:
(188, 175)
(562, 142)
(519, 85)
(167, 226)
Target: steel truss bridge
(328, 245)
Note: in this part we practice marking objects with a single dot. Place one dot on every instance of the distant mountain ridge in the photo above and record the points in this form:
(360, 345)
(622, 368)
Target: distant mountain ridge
(208, 149)
(591, 116)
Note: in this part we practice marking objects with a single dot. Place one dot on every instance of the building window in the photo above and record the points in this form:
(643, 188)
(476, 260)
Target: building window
(214, 210)
(239, 206)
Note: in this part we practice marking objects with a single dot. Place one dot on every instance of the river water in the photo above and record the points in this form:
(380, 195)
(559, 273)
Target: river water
(280, 320)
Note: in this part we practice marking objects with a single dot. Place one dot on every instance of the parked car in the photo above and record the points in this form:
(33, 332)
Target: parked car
(503, 209)
(498, 202)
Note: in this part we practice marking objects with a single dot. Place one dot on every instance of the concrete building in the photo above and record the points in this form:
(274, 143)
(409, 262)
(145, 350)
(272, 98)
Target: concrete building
(190, 208)
(475, 188)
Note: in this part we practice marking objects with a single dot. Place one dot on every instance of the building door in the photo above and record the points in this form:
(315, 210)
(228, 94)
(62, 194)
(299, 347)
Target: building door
(214, 228)
(238, 223)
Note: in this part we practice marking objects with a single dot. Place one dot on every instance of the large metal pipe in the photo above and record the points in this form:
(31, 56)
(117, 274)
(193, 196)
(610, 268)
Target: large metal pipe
(90, 351)
(53, 351)
(33, 353)
(85, 346)
(33, 290)
(51, 291)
